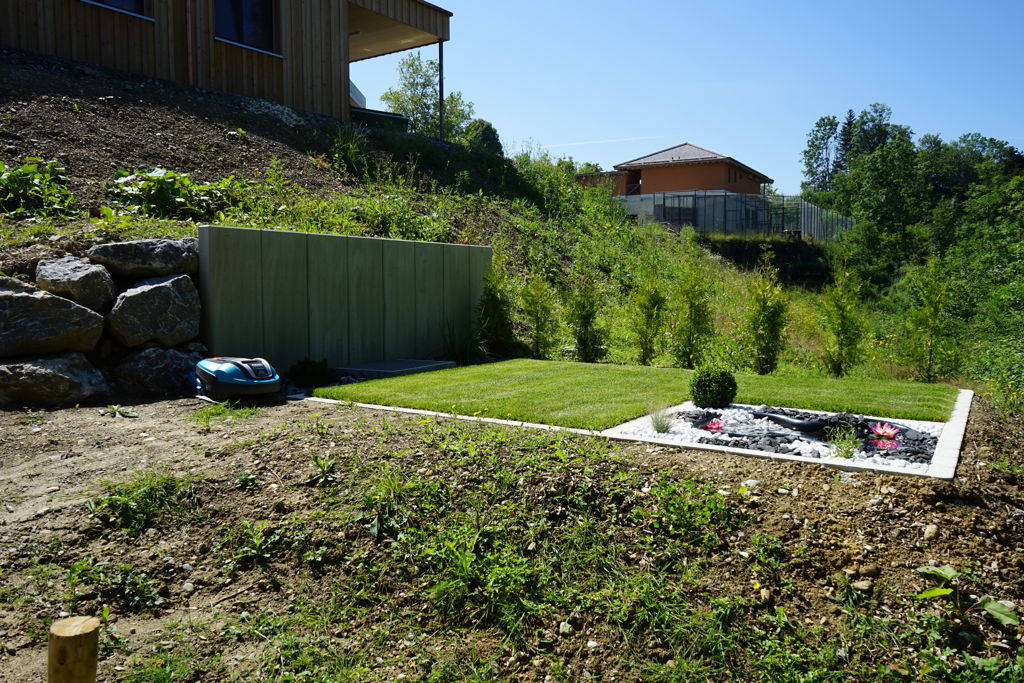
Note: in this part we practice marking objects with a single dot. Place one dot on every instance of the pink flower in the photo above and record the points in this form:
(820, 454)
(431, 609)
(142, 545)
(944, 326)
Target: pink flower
(885, 430)
(714, 426)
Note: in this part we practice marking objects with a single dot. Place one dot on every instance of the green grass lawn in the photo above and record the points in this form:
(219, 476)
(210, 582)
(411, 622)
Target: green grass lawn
(595, 396)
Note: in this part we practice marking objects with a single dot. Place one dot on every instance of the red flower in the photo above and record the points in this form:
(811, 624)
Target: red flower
(714, 426)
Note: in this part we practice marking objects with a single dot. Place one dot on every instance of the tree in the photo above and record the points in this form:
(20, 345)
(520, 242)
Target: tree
(481, 136)
(820, 154)
(416, 98)
(842, 161)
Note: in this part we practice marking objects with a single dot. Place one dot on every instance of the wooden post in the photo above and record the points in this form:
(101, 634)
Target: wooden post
(73, 647)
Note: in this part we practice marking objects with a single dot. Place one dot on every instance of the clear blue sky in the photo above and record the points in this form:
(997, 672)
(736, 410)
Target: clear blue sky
(607, 81)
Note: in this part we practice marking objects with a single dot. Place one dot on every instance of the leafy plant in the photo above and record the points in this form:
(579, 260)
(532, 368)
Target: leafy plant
(647, 318)
(766, 316)
(712, 387)
(844, 442)
(946, 578)
(843, 324)
(538, 301)
(120, 584)
(35, 188)
(166, 194)
(326, 472)
(214, 412)
(256, 544)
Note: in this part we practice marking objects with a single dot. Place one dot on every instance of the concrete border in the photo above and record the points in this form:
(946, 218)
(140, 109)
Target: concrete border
(943, 464)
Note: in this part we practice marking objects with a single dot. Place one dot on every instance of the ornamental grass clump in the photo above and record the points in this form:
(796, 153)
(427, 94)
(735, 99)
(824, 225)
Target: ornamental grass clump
(712, 387)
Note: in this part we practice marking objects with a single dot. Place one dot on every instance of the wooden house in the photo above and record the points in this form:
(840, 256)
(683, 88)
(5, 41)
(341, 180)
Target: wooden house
(295, 52)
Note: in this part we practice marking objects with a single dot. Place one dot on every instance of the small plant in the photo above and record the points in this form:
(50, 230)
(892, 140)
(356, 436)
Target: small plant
(118, 411)
(326, 471)
(120, 584)
(36, 188)
(843, 324)
(207, 415)
(647, 318)
(257, 544)
(946, 577)
(350, 154)
(844, 442)
(661, 420)
(712, 387)
(141, 501)
(766, 316)
(538, 302)
(247, 481)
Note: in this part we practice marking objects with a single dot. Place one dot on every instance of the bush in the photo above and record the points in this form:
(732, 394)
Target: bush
(692, 323)
(495, 332)
(539, 309)
(36, 187)
(582, 305)
(843, 324)
(647, 318)
(766, 317)
(929, 331)
(712, 387)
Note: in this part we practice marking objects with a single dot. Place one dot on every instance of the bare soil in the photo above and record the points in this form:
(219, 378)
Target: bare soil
(860, 526)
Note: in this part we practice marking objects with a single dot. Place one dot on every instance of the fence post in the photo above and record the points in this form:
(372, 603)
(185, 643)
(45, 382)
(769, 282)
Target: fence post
(74, 643)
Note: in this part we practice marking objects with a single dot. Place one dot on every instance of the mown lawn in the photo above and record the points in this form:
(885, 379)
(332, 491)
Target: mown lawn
(599, 396)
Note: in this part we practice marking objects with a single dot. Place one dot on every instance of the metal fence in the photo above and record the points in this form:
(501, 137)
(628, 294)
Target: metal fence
(286, 296)
(741, 214)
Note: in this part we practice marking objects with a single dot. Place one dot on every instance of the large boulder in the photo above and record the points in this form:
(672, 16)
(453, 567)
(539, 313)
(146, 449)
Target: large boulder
(36, 322)
(56, 381)
(148, 258)
(156, 372)
(162, 309)
(78, 279)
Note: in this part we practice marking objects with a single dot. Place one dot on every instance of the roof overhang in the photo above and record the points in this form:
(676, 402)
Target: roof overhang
(381, 27)
(691, 162)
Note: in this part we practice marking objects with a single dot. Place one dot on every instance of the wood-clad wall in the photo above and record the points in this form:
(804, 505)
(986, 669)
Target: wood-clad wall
(309, 74)
(417, 14)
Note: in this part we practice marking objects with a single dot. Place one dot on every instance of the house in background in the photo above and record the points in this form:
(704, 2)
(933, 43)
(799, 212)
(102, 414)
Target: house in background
(689, 185)
(294, 52)
(682, 168)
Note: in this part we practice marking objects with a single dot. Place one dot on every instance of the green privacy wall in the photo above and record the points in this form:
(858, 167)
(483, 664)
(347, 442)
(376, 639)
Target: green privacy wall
(285, 296)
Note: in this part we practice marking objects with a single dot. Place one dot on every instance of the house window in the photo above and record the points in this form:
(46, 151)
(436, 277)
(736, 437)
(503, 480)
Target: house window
(141, 8)
(251, 23)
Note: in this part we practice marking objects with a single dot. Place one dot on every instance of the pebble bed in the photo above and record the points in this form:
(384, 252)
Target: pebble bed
(740, 428)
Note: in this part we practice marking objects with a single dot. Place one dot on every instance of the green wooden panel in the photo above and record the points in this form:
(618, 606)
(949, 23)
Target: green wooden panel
(229, 280)
(457, 308)
(285, 298)
(365, 300)
(429, 300)
(399, 264)
(328, 299)
(479, 265)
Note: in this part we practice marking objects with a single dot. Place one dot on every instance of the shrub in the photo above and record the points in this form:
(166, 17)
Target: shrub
(766, 316)
(712, 387)
(582, 305)
(647, 318)
(843, 324)
(165, 194)
(692, 323)
(36, 187)
(929, 338)
(494, 317)
(539, 310)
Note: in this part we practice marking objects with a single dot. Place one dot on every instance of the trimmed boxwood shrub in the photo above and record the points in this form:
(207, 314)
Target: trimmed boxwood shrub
(712, 387)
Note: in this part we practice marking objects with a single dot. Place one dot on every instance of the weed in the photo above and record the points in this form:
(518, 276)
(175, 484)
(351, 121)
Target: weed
(120, 584)
(326, 472)
(216, 412)
(36, 188)
(247, 481)
(844, 442)
(144, 499)
(163, 193)
(118, 411)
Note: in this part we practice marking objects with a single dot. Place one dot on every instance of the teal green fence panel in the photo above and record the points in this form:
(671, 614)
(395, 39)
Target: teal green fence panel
(347, 300)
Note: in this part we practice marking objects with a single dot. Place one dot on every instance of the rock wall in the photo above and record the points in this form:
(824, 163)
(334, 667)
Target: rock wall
(121, 322)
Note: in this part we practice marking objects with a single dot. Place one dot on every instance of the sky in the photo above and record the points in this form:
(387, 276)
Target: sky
(606, 82)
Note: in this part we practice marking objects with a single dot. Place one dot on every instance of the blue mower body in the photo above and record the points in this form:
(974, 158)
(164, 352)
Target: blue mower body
(226, 377)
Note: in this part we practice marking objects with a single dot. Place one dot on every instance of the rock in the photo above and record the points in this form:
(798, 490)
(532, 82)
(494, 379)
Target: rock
(751, 483)
(930, 532)
(148, 258)
(37, 322)
(80, 280)
(593, 644)
(564, 629)
(870, 570)
(156, 372)
(165, 309)
(53, 381)
(188, 588)
(863, 585)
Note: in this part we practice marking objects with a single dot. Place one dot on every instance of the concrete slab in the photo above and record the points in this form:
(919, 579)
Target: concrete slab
(394, 368)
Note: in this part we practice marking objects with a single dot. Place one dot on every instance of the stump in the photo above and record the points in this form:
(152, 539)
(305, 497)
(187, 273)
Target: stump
(73, 646)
